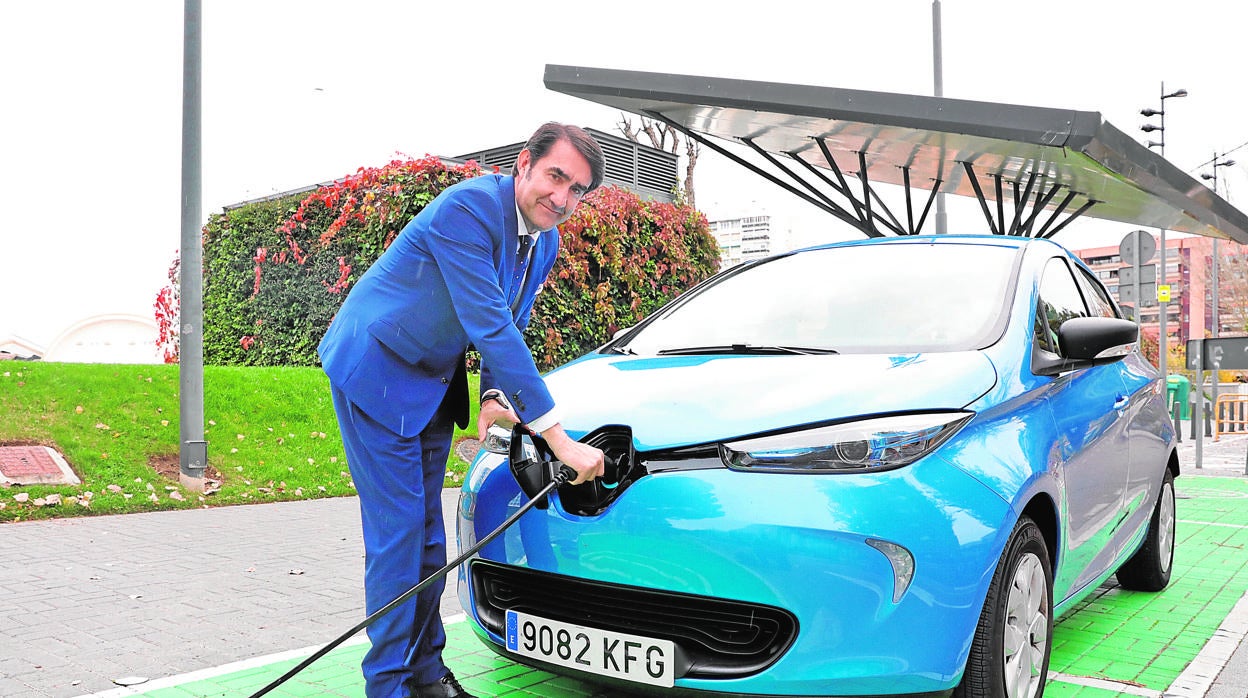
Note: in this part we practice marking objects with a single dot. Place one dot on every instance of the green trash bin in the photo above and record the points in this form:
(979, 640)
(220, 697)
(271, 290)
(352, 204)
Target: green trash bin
(1179, 389)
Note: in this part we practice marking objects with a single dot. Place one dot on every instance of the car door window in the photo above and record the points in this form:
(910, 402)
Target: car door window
(1097, 298)
(1060, 300)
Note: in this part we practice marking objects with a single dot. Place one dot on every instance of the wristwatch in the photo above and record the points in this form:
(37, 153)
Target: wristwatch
(495, 394)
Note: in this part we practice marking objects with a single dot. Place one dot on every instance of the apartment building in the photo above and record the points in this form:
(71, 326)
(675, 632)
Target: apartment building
(743, 239)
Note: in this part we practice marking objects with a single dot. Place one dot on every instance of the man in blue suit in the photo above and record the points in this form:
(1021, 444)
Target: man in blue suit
(465, 271)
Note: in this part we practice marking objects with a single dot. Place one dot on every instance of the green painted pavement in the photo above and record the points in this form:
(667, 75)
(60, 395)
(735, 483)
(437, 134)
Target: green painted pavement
(1136, 640)
(1144, 639)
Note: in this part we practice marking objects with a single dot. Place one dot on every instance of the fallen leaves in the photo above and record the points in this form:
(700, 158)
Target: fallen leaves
(52, 500)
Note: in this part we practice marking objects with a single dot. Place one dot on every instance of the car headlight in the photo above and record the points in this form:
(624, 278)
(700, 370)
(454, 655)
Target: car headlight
(879, 443)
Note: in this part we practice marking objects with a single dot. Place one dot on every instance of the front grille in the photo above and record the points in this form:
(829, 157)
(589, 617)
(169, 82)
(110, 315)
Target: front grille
(719, 639)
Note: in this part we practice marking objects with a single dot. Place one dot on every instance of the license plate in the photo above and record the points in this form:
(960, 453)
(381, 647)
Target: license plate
(602, 652)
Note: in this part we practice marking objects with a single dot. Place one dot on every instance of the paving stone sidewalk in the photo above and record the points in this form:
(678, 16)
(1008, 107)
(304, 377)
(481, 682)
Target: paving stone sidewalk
(84, 601)
(1228, 456)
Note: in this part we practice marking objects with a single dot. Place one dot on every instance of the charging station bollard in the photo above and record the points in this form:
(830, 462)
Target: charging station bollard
(1178, 422)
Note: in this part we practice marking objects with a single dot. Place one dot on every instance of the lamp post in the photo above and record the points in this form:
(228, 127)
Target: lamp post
(938, 89)
(1213, 278)
(193, 450)
(1163, 338)
(1213, 281)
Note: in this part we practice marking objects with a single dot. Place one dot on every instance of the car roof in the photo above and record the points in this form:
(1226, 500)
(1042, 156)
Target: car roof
(990, 240)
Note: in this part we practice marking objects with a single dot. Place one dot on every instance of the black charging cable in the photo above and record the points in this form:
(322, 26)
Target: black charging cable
(564, 475)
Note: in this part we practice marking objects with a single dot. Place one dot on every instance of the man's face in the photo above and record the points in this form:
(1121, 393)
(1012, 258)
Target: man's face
(548, 190)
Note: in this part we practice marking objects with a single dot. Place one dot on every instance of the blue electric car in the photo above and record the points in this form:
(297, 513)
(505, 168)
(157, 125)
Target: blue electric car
(869, 468)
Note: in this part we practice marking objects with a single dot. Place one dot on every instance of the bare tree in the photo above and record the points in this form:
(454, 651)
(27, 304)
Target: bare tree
(1232, 286)
(664, 137)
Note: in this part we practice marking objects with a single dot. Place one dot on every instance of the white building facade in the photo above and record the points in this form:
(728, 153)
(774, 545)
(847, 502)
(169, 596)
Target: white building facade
(743, 239)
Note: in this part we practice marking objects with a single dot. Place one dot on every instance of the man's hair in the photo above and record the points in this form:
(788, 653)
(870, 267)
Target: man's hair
(550, 133)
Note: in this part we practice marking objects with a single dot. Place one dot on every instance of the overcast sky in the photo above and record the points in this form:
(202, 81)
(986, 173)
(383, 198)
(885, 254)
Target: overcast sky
(302, 91)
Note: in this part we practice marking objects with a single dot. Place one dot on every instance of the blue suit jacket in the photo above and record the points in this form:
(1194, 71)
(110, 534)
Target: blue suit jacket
(397, 344)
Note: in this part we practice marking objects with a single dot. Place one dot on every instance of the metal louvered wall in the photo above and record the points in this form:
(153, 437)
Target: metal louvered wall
(648, 172)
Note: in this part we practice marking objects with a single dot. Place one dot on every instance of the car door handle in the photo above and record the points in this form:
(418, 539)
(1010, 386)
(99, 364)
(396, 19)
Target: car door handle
(1121, 402)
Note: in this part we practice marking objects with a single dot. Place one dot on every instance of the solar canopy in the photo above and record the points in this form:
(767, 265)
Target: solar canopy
(1033, 169)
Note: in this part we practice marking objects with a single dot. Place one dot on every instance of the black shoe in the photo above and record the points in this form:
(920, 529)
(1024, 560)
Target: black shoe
(445, 687)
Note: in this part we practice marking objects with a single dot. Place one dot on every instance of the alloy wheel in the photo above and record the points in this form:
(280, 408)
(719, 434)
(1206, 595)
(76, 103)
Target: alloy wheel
(1165, 525)
(1026, 631)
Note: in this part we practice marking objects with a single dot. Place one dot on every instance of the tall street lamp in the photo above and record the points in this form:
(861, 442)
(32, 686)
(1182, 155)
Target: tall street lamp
(1213, 274)
(1213, 286)
(938, 89)
(1163, 339)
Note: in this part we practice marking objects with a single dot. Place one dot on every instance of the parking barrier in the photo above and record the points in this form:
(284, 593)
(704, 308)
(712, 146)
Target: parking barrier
(1230, 415)
(1194, 423)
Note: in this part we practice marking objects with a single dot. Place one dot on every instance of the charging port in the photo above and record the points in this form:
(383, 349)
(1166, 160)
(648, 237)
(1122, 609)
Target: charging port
(591, 498)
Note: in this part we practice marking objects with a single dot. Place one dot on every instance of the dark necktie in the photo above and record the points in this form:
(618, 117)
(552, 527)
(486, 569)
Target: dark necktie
(520, 267)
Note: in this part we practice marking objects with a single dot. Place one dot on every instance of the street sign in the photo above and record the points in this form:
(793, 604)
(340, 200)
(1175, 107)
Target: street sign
(1126, 293)
(1163, 293)
(1147, 275)
(1220, 354)
(1137, 282)
(1137, 240)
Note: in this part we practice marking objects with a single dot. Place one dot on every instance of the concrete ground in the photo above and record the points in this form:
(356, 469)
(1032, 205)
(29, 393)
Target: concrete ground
(218, 602)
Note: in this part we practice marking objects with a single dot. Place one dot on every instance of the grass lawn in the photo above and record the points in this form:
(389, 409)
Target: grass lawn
(271, 434)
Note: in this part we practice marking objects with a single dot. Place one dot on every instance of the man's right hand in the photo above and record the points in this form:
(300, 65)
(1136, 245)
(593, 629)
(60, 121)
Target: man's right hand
(495, 412)
(586, 460)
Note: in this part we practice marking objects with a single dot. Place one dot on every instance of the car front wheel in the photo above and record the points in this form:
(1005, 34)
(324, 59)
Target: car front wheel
(1010, 653)
(1149, 568)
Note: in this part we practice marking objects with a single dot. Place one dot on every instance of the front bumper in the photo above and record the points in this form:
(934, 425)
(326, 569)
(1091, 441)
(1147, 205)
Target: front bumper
(793, 543)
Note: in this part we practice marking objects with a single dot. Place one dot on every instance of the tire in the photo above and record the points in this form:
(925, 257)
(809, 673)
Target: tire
(1149, 568)
(1010, 652)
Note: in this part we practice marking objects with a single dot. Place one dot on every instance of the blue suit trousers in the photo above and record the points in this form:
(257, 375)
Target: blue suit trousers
(399, 480)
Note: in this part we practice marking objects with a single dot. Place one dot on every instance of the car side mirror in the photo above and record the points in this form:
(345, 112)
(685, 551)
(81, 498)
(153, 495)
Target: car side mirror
(1097, 339)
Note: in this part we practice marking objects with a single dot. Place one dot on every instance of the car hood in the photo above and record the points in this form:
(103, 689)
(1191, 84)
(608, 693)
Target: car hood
(673, 401)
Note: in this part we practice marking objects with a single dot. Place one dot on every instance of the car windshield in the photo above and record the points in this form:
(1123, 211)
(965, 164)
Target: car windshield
(891, 298)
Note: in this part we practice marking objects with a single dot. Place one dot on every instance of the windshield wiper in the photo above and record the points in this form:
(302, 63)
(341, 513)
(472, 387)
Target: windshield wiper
(745, 349)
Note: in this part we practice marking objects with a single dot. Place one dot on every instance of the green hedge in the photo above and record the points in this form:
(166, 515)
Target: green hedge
(620, 258)
(275, 272)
